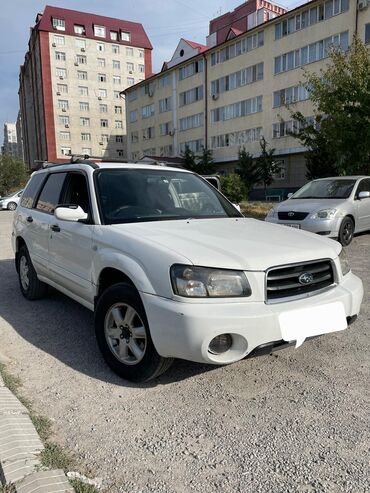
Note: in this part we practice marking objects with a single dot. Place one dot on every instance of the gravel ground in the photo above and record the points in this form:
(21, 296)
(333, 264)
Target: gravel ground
(297, 421)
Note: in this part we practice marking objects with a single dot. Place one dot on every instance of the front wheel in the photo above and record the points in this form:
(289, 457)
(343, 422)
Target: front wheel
(123, 335)
(12, 206)
(346, 231)
(32, 288)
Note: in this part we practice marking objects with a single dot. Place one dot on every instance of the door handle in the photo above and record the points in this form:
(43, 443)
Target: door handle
(29, 219)
(55, 228)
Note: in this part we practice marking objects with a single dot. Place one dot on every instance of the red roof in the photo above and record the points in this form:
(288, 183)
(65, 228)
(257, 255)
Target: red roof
(71, 17)
(196, 46)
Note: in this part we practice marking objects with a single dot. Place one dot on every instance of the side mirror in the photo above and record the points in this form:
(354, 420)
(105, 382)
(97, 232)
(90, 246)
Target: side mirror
(289, 195)
(72, 213)
(237, 207)
(364, 195)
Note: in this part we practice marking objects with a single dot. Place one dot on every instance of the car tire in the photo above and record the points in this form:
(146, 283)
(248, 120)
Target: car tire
(12, 206)
(346, 231)
(32, 288)
(123, 335)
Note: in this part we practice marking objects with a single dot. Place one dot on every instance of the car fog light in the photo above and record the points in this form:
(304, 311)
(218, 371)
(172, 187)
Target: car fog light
(220, 344)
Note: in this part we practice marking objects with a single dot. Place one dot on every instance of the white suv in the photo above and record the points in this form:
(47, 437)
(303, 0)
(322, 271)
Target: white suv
(172, 269)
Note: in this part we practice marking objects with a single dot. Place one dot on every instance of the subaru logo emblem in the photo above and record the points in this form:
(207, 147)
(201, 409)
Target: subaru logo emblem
(291, 214)
(305, 278)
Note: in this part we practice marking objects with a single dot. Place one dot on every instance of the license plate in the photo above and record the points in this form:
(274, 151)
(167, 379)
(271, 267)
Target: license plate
(296, 325)
(297, 226)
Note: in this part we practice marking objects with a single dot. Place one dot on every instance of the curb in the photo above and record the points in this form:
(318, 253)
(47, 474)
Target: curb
(20, 447)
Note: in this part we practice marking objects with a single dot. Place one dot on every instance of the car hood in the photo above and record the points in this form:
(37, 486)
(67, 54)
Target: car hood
(233, 243)
(309, 205)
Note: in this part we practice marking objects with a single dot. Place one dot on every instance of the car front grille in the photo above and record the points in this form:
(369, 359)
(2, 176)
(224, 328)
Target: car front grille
(292, 215)
(298, 280)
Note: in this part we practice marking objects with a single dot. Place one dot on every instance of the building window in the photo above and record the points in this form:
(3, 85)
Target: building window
(104, 138)
(102, 93)
(84, 106)
(164, 81)
(103, 108)
(233, 50)
(118, 124)
(84, 121)
(190, 69)
(118, 110)
(63, 104)
(102, 78)
(193, 145)
(140, 53)
(367, 33)
(129, 51)
(81, 75)
(165, 104)
(289, 95)
(193, 121)
(59, 24)
(188, 97)
(114, 35)
(281, 174)
(116, 94)
(241, 78)
(119, 138)
(101, 62)
(130, 67)
(61, 72)
(236, 139)
(115, 49)
(100, 46)
(80, 43)
(148, 133)
(125, 36)
(237, 110)
(99, 31)
(65, 135)
(120, 152)
(141, 68)
(147, 111)
(59, 40)
(165, 128)
(285, 129)
(166, 150)
(81, 59)
(130, 81)
(132, 95)
(66, 151)
(62, 88)
(79, 29)
(134, 136)
(116, 79)
(104, 123)
(85, 136)
(60, 55)
(63, 120)
(86, 151)
(116, 64)
(83, 90)
(133, 116)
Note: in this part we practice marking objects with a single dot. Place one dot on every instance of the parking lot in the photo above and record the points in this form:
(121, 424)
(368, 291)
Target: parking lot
(296, 421)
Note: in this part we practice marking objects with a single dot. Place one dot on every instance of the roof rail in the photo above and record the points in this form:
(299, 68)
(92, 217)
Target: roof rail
(75, 159)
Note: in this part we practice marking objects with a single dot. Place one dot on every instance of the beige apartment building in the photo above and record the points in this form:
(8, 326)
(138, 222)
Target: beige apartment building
(71, 82)
(233, 91)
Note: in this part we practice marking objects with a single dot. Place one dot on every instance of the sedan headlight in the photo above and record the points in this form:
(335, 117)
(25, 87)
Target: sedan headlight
(344, 262)
(324, 214)
(204, 282)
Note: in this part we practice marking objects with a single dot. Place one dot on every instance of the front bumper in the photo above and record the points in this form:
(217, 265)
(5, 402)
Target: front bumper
(184, 330)
(326, 227)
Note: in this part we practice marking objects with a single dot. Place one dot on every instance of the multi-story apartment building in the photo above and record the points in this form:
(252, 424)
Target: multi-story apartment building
(76, 66)
(233, 91)
(10, 145)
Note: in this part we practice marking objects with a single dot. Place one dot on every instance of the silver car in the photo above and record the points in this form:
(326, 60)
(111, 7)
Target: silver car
(11, 201)
(335, 207)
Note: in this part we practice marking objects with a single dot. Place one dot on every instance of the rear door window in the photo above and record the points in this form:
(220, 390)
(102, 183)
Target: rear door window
(50, 194)
(31, 190)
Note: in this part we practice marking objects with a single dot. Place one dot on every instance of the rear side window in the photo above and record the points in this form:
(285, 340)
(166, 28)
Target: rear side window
(50, 194)
(31, 190)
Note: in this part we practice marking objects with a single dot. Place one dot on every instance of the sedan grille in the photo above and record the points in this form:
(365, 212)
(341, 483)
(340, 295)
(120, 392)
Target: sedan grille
(298, 280)
(292, 215)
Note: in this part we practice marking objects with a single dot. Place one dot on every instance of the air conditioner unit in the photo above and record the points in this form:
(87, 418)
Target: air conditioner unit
(215, 96)
(58, 93)
(63, 109)
(76, 63)
(83, 49)
(172, 132)
(66, 125)
(130, 72)
(61, 77)
(99, 98)
(53, 44)
(101, 143)
(362, 4)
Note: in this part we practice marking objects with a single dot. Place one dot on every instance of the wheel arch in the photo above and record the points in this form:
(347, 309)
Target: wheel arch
(19, 242)
(110, 276)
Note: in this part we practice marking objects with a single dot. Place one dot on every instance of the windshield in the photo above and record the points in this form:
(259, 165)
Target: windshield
(136, 195)
(326, 189)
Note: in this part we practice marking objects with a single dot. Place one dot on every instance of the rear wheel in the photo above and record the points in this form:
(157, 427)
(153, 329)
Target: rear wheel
(346, 231)
(32, 288)
(12, 206)
(123, 335)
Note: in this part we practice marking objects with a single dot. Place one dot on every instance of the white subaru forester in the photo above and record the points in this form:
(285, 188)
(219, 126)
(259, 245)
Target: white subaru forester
(172, 269)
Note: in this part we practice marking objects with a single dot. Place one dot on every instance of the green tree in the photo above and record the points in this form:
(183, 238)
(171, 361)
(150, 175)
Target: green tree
(248, 169)
(189, 159)
(233, 187)
(13, 174)
(341, 92)
(205, 164)
(266, 164)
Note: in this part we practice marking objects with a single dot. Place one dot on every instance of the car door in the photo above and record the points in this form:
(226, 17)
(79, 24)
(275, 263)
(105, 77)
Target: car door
(70, 244)
(39, 220)
(363, 206)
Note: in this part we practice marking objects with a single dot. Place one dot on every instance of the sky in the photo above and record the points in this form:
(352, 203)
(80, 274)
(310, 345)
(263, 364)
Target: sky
(165, 22)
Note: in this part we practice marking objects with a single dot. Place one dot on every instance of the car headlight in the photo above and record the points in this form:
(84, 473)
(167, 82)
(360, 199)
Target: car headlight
(344, 262)
(324, 214)
(204, 282)
(271, 213)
